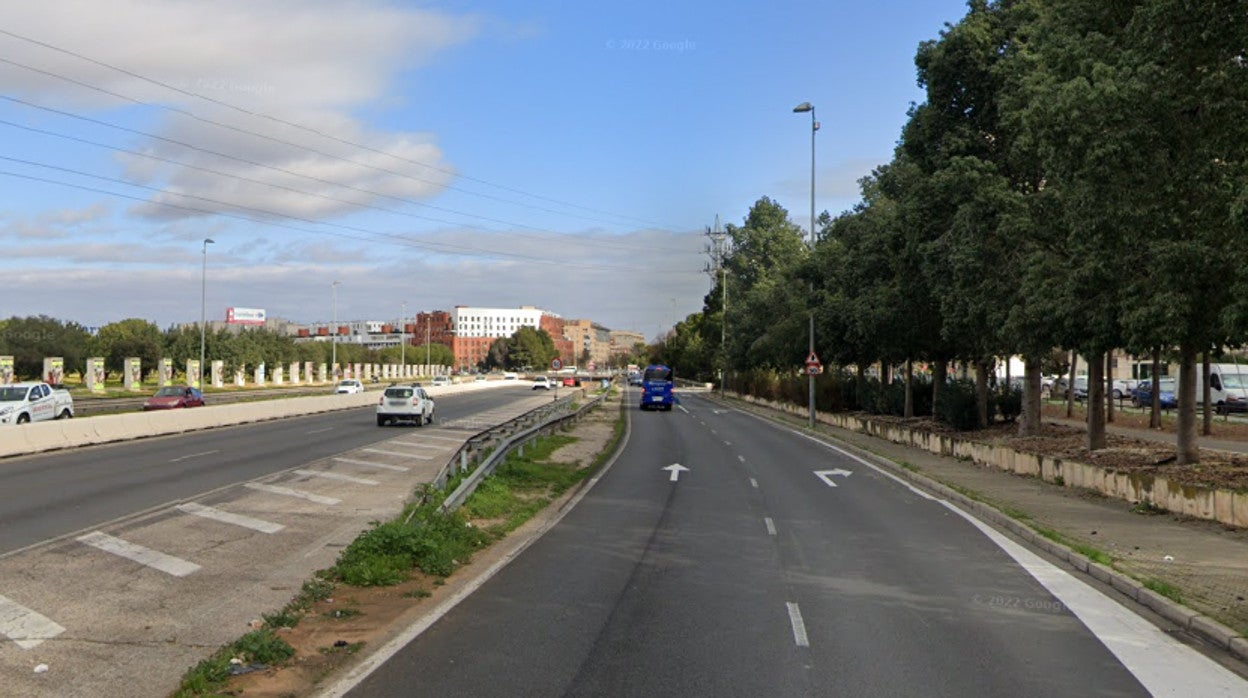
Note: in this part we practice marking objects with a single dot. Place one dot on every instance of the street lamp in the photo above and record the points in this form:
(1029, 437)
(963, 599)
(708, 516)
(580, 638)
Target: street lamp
(333, 337)
(814, 126)
(203, 294)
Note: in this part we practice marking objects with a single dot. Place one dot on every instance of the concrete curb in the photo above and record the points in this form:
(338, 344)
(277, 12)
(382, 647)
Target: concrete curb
(54, 435)
(1202, 626)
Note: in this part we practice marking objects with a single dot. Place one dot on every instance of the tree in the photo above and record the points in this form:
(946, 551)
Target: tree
(134, 337)
(32, 339)
(531, 348)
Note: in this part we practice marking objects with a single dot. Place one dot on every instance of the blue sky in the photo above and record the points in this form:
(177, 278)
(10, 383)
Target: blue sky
(562, 155)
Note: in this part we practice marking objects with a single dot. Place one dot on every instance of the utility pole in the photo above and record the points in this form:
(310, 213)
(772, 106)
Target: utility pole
(718, 251)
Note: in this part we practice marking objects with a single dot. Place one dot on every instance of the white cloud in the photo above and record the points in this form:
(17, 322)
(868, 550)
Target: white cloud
(307, 62)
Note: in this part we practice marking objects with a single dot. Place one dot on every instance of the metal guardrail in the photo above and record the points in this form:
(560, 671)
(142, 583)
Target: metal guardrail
(501, 440)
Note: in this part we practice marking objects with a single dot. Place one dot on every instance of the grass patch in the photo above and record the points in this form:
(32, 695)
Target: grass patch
(1016, 514)
(522, 486)
(339, 613)
(418, 594)
(210, 675)
(426, 539)
(1167, 590)
(906, 465)
(1094, 554)
(343, 649)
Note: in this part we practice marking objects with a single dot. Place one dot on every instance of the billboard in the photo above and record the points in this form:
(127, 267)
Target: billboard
(244, 316)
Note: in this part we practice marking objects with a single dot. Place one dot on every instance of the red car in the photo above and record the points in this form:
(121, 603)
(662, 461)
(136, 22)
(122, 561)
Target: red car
(174, 396)
(572, 382)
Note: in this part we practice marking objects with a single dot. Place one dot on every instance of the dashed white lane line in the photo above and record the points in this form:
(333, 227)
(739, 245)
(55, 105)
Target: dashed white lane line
(336, 476)
(799, 625)
(753, 483)
(288, 492)
(192, 455)
(25, 627)
(741, 458)
(319, 431)
(228, 517)
(400, 454)
(370, 464)
(155, 559)
(771, 525)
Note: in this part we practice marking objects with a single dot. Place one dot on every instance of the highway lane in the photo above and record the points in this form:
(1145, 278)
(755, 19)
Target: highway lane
(749, 574)
(48, 495)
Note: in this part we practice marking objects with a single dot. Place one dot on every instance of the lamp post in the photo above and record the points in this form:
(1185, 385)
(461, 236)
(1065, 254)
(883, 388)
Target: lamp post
(814, 126)
(203, 295)
(333, 337)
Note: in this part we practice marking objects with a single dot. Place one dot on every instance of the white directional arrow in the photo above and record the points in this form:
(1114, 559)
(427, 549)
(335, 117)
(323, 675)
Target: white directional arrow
(675, 469)
(826, 475)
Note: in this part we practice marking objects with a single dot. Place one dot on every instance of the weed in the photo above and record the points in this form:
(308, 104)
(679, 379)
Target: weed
(909, 466)
(210, 674)
(1167, 590)
(418, 594)
(285, 618)
(1059, 481)
(1147, 508)
(347, 649)
(1016, 514)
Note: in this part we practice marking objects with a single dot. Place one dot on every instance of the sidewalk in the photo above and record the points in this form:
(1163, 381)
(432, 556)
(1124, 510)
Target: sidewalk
(1203, 564)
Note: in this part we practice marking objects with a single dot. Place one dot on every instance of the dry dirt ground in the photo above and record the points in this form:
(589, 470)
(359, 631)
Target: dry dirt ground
(356, 620)
(1221, 469)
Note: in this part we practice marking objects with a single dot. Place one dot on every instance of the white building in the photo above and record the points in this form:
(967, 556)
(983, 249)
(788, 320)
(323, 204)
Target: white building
(467, 321)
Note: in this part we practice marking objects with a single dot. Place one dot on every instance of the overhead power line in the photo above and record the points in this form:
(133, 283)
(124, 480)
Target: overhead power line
(301, 127)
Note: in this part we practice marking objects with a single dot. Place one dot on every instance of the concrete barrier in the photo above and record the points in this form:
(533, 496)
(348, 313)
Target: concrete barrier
(86, 431)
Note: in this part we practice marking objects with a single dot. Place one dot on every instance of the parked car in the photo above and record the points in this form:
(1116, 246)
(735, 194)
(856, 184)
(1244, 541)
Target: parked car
(634, 379)
(439, 381)
(541, 383)
(172, 397)
(572, 382)
(1143, 395)
(510, 376)
(405, 403)
(21, 403)
(349, 387)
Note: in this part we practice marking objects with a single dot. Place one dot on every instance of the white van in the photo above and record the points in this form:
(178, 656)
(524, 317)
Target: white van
(1228, 387)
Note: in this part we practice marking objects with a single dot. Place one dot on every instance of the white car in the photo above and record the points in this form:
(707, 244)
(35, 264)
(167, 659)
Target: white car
(349, 387)
(405, 403)
(510, 376)
(541, 383)
(439, 381)
(21, 403)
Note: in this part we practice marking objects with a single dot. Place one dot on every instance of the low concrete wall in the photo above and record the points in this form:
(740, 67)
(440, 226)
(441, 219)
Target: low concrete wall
(86, 431)
(1224, 506)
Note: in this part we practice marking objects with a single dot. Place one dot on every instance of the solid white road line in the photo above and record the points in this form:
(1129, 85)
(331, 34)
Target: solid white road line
(155, 559)
(417, 444)
(370, 464)
(799, 626)
(771, 525)
(335, 476)
(1162, 664)
(400, 454)
(25, 627)
(193, 455)
(227, 517)
(288, 492)
(444, 438)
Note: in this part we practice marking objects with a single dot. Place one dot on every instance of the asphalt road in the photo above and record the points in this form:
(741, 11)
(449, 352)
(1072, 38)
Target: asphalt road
(54, 494)
(750, 575)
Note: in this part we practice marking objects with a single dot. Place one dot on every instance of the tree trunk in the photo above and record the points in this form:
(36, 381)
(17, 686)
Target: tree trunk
(1187, 446)
(1154, 418)
(908, 412)
(1032, 415)
(940, 373)
(1070, 384)
(1207, 423)
(981, 391)
(860, 386)
(1109, 386)
(1096, 402)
